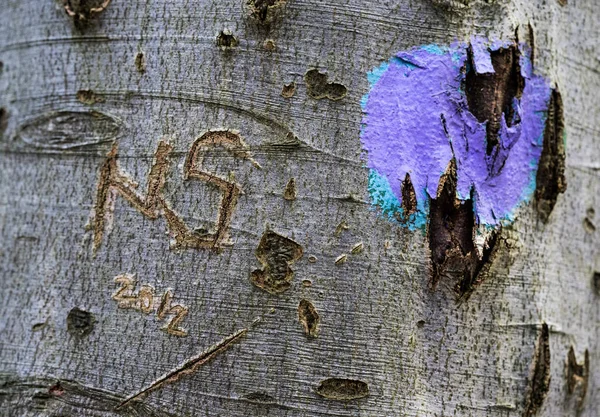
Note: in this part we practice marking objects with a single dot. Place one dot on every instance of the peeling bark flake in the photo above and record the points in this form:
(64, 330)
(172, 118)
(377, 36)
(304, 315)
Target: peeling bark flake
(539, 380)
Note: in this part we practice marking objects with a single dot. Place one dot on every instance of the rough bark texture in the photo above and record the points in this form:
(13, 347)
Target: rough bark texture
(237, 293)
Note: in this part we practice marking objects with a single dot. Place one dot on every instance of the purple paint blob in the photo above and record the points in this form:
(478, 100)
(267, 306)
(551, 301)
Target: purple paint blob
(416, 119)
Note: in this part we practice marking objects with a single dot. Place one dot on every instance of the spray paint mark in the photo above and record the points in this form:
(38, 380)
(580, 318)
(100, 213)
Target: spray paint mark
(420, 114)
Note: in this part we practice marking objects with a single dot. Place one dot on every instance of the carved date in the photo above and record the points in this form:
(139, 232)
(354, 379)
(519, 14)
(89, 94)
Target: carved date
(147, 302)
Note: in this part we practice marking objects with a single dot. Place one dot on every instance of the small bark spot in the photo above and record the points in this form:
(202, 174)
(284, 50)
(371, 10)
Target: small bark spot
(341, 259)
(269, 45)
(343, 389)
(140, 62)
(276, 253)
(550, 179)
(259, 398)
(85, 9)
(318, 87)
(89, 97)
(226, 40)
(539, 381)
(265, 11)
(288, 90)
(290, 193)
(578, 376)
(357, 248)
(309, 318)
(307, 283)
(79, 322)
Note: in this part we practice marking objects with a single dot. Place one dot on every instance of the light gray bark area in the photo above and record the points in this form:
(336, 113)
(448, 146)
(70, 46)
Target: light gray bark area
(420, 352)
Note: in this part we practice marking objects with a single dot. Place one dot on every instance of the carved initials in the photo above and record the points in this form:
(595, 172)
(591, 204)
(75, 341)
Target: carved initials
(113, 182)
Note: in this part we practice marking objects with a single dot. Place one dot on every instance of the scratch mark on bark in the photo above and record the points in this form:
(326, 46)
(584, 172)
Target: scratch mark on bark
(188, 367)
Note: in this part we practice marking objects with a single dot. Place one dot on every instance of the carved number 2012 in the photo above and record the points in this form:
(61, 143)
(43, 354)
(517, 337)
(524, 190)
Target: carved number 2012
(145, 301)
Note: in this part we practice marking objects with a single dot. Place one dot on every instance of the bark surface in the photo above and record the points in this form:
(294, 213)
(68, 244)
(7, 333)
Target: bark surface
(186, 229)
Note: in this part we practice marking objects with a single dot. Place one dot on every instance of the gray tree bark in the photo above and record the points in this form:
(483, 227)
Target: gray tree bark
(247, 272)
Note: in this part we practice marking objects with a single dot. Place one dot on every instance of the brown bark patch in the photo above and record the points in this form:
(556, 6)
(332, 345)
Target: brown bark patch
(290, 193)
(89, 97)
(318, 87)
(409, 197)
(550, 179)
(276, 253)
(490, 96)
(288, 90)
(343, 389)
(578, 376)
(140, 62)
(309, 318)
(451, 231)
(539, 380)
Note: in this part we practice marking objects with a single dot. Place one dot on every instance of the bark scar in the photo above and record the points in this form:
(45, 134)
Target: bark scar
(188, 367)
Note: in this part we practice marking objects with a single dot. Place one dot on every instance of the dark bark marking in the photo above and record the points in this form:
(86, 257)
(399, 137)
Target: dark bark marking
(539, 380)
(343, 389)
(85, 9)
(288, 90)
(140, 62)
(309, 318)
(269, 45)
(259, 398)
(491, 96)
(3, 120)
(596, 282)
(80, 323)
(276, 253)
(550, 178)
(226, 40)
(47, 396)
(188, 367)
(451, 230)
(290, 193)
(578, 376)
(531, 41)
(66, 130)
(563, 2)
(265, 11)
(409, 197)
(318, 87)
(89, 97)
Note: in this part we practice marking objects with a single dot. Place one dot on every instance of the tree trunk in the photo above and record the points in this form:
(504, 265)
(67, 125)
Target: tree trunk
(296, 208)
